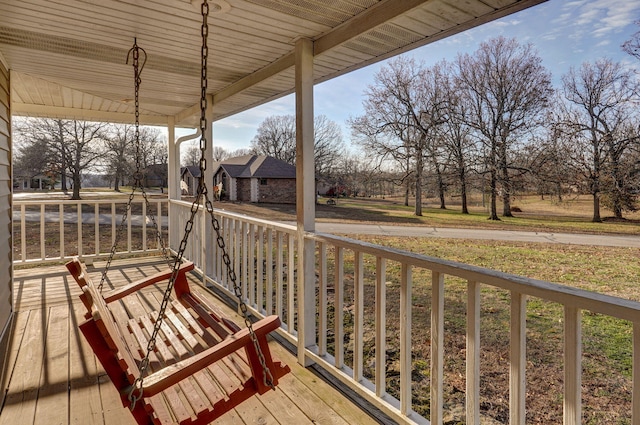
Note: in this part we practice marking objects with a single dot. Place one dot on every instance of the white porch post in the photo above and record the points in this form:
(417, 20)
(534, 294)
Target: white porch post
(173, 181)
(173, 178)
(305, 197)
(208, 154)
(209, 248)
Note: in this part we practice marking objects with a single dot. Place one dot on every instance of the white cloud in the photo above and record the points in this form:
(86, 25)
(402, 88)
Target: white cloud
(604, 17)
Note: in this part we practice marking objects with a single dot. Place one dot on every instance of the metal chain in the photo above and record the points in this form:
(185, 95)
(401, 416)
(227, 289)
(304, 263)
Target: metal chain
(137, 70)
(138, 175)
(136, 390)
(267, 377)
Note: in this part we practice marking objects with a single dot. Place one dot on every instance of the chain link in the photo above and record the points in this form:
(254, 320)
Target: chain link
(267, 377)
(134, 52)
(136, 390)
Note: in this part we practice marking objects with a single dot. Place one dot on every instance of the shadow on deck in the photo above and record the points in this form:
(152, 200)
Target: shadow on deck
(54, 377)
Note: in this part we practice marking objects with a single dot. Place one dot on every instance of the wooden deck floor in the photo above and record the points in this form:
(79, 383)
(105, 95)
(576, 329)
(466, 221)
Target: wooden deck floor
(55, 378)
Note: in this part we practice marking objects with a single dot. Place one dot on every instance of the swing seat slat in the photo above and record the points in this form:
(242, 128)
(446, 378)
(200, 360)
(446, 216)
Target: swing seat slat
(203, 364)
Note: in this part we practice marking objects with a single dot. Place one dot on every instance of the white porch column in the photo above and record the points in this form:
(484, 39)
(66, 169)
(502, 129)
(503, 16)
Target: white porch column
(305, 197)
(208, 154)
(173, 180)
(210, 245)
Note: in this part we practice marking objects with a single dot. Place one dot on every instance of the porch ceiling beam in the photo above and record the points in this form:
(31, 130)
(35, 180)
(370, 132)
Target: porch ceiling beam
(374, 16)
(250, 80)
(274, 68)
(390, 9)
(187, 113)
(350, 29)
(25, 109)
(192, 111)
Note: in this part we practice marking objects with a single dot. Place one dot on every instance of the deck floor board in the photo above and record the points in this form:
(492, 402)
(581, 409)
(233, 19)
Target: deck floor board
(55, 378)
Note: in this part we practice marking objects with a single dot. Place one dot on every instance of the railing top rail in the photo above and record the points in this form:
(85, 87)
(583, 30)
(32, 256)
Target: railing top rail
(124, 200)
(251, 220)
(579, 298)
(569, 296)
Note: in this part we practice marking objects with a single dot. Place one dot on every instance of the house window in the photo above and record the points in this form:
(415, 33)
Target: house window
(263, 182)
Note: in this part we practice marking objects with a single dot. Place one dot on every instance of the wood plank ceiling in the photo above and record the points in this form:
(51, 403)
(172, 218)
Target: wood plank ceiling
(67, 57)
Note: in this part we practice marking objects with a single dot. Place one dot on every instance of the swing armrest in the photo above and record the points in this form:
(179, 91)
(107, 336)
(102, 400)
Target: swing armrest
(170, 375)
(119, 293)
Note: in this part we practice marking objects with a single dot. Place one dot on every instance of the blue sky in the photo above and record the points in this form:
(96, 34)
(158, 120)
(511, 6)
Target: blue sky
(565, 33)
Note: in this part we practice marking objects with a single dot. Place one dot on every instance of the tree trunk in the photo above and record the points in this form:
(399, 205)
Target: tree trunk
(463, 191)
(462, 176)
(418, 208)
(441, 188)
(493, 188)
(617, 210)
(506, 203)
(506, 184)
(596, 208)
(618, 195)
(63, 157)
(493, 184)
(76, 187)
(406, 194)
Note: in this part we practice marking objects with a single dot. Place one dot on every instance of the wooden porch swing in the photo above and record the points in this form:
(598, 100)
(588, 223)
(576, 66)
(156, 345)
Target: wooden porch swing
(184, 363)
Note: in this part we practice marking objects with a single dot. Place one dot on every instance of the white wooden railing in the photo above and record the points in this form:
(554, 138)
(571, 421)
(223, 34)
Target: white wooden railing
(45, 231)
(266, 257)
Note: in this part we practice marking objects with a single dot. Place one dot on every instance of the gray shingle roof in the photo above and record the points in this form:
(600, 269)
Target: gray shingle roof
(193, 169)
(256, 166)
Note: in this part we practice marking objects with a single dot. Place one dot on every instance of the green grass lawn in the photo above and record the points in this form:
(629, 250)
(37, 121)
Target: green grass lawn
(607, 342)
(536, 214)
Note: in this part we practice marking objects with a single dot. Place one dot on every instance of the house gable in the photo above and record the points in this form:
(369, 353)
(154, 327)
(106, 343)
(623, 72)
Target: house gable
(256, 178)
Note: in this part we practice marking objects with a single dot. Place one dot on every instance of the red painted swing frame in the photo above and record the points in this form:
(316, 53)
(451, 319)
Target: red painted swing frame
(168, 392)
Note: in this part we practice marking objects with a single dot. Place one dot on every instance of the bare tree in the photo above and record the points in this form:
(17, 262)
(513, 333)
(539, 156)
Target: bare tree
(328, 145)
(632, 46)
(433, 98)
(34, 154)
(547, 159)
(507, 90)
(383, 146)
(237, 152)
(67, 147)
(455, 133)
(84, 147)
(276, 137)
(40, 149)
(349, 177)
(403, 109)
(152, 149)
(600, 99)
(119, 140)
(191, 156)
(154, 156)
(620, 190)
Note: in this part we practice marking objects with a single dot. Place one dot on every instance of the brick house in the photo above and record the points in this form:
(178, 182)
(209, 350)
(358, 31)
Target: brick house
(256, 178)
